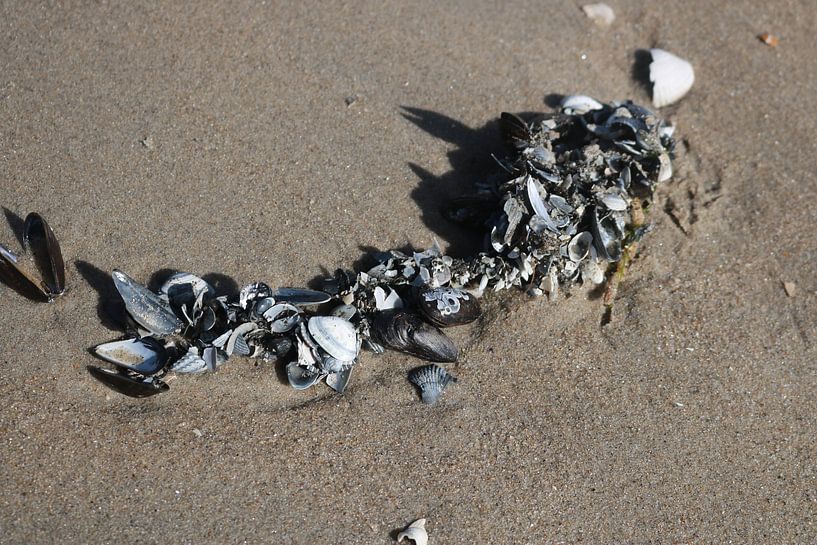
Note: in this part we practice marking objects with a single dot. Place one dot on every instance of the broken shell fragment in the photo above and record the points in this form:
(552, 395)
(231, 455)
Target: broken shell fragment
(338, 381)
(446, 307)
(606, 236)
(407, 332)
(300, 377)
(146, 356)
(416, 532)
(148, 309)
(431, 380)
(672, 77)
(301, 297)
(601, 14)
(128, 385)
(190, 363)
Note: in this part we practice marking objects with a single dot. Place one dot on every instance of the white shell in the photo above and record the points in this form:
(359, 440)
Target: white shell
(190, 363)
(416, 532)
(579, 104)
(335, 335)
(387, 302)
(665, 168)
(601, 14)
(672, 77)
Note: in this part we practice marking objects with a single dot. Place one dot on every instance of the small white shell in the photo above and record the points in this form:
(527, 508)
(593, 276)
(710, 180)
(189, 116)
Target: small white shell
(665, 167)
(191, 362)
(601, 14)
(672, 77)
(388, 301)
(335, 335)
(579, 104)
(432, 380)
(416, 532)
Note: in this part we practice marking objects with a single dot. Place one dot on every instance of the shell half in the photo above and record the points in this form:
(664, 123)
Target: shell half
(671, 76)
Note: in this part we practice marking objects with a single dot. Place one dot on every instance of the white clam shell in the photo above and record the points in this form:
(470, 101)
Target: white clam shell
(672, 77)
(579, 104)
(416, 532)
(601, 14)
(335, 335)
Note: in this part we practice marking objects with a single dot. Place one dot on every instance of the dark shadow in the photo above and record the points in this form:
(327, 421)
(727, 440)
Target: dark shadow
(554, 100)
(110, 307)
(641, 69)
(223, 284)
(16, 223)
(158, 278)
(470, 162)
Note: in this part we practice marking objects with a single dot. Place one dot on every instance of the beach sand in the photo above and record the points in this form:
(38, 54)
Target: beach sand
(276, 142)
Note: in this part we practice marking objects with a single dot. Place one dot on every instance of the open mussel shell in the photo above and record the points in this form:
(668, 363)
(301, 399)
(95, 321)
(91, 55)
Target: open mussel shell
(40, 241)
(184, 289)
(445, 307)
(128, 385)
(606, 236)
(300, 377)
(407, 332)
(19, 279)
(338, 381)
(146, 356)
(148, 309)
(431, 380)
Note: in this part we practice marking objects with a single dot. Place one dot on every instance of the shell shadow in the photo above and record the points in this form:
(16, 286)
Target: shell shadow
(640, 71)
(110, 308)
(16, 223)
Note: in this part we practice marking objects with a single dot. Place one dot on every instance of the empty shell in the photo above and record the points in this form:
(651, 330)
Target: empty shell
(579, 104)
(416, 532)
(335, 335)
(146, 356)
(147, 308)
(672, 77)
(126, 384)
(432, 380)
(601, 14)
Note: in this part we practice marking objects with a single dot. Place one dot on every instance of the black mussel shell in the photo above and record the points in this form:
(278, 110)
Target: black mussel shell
(40, 241)
(445, 307)
(407, 332)
(515, 131)
(128, 385)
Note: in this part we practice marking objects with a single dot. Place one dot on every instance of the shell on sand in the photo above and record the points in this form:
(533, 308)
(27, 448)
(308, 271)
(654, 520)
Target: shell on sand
(672, 77)
(601, 14)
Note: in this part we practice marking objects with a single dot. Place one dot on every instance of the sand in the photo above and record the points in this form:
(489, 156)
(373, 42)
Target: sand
(273, 142)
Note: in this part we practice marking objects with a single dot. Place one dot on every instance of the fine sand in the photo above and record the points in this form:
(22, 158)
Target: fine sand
(273, 142)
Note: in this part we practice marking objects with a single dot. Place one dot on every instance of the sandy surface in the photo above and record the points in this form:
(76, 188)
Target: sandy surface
(219, 140)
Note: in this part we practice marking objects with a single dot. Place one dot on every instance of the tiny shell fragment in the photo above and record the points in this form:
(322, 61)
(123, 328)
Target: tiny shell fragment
(790, 288)
(601, 14)
(769, 39)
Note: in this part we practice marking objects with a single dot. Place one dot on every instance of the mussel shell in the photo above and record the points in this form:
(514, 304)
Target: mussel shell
(19, 279)
(407, 332)
(338, 381)
(300, 377)
(445, 307)
(147, 308)
(128, 385)
(606, 236)
(146, 356)
(301, 297)
(40, 241)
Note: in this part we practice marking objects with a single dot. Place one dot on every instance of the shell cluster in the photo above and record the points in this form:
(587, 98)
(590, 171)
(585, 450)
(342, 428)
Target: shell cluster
(564, 207)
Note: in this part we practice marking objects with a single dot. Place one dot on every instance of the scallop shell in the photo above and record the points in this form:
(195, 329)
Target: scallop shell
(672, 77)
(146, 356)
(335, 335)
(416, 532)
(432, 380)
(190, 363)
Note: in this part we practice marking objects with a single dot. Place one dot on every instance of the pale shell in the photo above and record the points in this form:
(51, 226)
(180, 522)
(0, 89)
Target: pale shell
(672, 77)
(335, 335)
(145, 356)
(601, 14)
(416, 532)
(579, 104)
